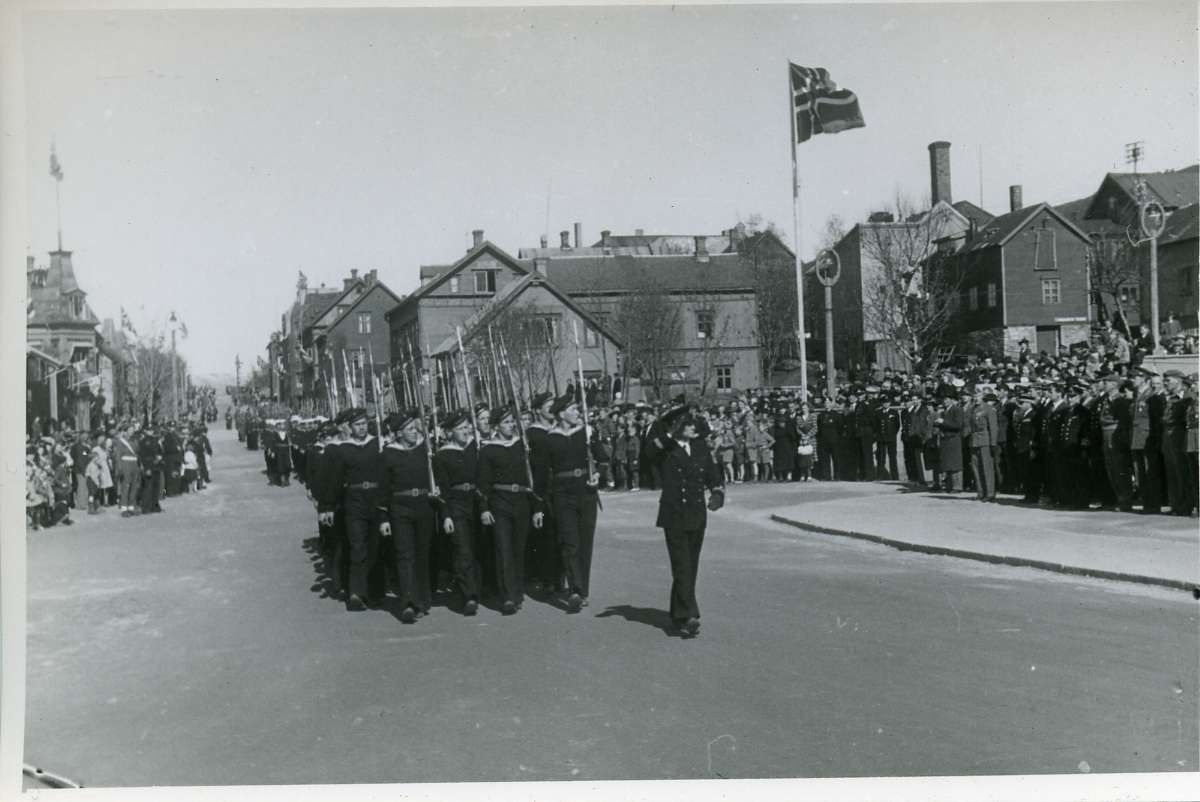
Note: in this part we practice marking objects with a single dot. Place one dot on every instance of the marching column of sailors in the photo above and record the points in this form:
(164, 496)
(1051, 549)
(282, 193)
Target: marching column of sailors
(384, 501)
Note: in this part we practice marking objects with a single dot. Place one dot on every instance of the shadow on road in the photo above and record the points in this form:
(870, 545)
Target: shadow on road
(659, 619)
(324, 580)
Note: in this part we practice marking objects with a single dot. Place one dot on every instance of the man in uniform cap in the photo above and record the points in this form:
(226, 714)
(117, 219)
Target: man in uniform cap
(687, 471)
(1174, 443)
(572, 491)
(455, 467)
(353, 481)
(507, 505)
(1115, 411)
(542, 561)
(408, 506)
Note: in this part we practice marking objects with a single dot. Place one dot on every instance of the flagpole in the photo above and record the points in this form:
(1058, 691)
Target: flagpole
(796, 240)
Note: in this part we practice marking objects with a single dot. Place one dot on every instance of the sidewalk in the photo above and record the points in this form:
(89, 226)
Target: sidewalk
(1154, 549)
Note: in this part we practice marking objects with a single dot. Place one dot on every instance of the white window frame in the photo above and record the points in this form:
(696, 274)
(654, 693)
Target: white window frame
(703, 315)
(991, 295)
(591, 337)
(364, 318)
(1051, 287)
(725, 375)
(489, 278)
(454, 284)
(973, 298)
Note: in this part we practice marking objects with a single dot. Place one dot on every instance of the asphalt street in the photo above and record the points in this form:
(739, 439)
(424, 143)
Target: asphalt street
(203, 646)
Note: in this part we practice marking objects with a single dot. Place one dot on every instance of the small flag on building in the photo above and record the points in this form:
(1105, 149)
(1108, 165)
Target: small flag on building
(126, 323)
(818, 106)
(55, 168)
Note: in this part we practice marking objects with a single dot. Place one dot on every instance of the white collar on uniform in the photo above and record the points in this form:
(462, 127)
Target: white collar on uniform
(396, 444)
(350, 441)
(496, 441)
(567, 432)
(454, 447)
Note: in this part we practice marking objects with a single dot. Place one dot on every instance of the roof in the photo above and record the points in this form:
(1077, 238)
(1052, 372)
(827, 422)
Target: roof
(366, 291)
(1181, 225)
(507, 296)
(1174, 189)
(498, 253)
(976, 215)
(40, 354)
(1076, 211)
(1001, 229)
(583, 275)
(315, 305)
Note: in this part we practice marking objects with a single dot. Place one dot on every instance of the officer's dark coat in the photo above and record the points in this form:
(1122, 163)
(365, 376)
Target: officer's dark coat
(684, 480)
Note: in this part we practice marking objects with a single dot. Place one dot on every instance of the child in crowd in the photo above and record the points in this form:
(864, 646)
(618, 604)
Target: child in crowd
(191, 468)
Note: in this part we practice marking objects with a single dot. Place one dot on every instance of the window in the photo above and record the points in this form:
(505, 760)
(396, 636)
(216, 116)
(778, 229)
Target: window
(1129, 294)
(677, 375)
(591, 338)
(485, 281)
(454, 284)
(704, 324)
(1045, 251)
(973, 298)
(543, 330)
(1051, 291)
(991, 295)
(725, 379)
(364, 322)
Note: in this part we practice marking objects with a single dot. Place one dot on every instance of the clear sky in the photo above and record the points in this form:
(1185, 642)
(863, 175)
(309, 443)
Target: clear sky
(210, 155)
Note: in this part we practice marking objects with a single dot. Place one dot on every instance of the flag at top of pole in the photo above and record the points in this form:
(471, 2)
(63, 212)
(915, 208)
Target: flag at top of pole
(55, 168)
(817, 106)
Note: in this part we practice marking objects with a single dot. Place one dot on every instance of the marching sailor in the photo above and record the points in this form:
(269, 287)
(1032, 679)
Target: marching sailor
(571, 484)
(352, 478)
(455, 466)
(542, 560)
(507, 505)
(407, 508)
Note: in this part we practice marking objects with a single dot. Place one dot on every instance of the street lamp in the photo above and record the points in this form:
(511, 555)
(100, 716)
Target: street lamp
(1152, 218)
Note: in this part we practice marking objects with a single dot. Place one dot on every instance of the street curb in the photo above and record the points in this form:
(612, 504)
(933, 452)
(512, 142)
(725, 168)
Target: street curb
(996, 559)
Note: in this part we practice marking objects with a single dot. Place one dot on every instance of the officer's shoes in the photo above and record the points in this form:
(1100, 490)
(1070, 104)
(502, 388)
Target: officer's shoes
(408, 615)
(471, 607)
(354, 603)
(574, 602)
(692, 627)
(508, 608)
(584, 603)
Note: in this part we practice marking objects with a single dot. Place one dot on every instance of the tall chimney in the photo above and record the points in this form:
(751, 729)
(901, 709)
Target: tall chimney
(579, 235)
(545, 241)
(477, 238)
(565, 240)
(939, 172)
(640, 232)
(701, 248)
(1014, 198)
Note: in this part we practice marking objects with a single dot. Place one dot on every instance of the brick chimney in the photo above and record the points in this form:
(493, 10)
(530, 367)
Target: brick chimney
(939, 172)
(701, 248)
(347, 283)
(541, 265)
(565, 240)
(604, 235)
(477, 238)
(1014, 198)
(579, 235)
(640, 232)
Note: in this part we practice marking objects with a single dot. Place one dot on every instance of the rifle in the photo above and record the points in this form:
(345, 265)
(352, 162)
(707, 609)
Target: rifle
(587, 426)
(550, 356)
(520, 423)
(495, 368)
(467, 386)
(353, 396)
(375, 391)
(433, 390)
(421, 406)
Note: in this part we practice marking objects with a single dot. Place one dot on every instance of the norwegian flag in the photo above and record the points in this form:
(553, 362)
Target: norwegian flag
(818, 106)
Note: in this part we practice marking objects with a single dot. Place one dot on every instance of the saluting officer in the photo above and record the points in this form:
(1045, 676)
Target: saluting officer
(506, 506)
(688, 470)
(353, 479)
(406, 505)
(455, 467)
(572, 489)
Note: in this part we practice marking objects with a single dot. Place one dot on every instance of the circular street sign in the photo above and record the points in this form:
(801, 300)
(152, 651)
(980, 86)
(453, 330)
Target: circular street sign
(829, 267)
(1153, 219)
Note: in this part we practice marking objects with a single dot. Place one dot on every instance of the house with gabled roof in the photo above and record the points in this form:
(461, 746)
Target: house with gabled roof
(1178, 265)
(487, 283)
(1023, 277)
(352, 339)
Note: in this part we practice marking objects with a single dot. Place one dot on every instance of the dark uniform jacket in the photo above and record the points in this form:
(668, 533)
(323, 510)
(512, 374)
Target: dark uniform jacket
(566, 453)
(349, 463)
(456, 468)
(1147, 421)
(684, 479)
(501, 463)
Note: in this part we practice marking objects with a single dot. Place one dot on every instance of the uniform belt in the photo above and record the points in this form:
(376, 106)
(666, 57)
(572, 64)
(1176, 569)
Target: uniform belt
(414, 492)
(577, 473)
(513, 488)
(464, 487)
(129, 459)
(363, 486)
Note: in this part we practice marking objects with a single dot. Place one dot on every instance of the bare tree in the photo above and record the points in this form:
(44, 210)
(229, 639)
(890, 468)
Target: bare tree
(713, 330)
(1115, 267)
(910, 290)
(152, 393)
(774, 277)
(652, 325)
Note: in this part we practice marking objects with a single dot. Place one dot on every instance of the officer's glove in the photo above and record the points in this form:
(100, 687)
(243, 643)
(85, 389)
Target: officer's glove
(717, 500)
